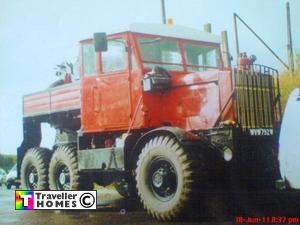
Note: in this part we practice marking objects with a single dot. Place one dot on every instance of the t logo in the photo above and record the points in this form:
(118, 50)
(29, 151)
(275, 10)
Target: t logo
(25, 199)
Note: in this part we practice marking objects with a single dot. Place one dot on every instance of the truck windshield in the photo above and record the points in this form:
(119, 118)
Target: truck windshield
(156, 51)
(201, 57)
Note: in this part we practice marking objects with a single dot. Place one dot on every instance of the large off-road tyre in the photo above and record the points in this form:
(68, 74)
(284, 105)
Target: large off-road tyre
(63, 170)
(34, 169)
(167, 176)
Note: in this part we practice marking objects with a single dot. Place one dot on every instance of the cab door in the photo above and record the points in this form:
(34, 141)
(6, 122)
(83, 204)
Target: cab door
(114, 85)
(90, 94)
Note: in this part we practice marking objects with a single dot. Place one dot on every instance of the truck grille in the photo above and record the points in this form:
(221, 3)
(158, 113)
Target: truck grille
(257, 97)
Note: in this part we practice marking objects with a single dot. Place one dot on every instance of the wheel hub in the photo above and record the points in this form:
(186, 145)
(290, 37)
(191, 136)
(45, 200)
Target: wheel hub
(157, 179)
(163, 179)
(62, 178)
(31, 178)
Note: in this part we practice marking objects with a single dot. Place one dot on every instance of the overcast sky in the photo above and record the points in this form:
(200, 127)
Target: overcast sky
(36, 35)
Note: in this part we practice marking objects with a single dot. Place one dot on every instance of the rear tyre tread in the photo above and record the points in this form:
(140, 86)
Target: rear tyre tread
(67, 154)
(40, 157)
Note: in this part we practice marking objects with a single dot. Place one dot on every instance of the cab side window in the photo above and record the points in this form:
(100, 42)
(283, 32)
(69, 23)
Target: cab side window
(89, 59)
(115, 58)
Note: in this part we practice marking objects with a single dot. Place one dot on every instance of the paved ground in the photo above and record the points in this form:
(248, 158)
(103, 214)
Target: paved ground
(115, 210)
(110, 212)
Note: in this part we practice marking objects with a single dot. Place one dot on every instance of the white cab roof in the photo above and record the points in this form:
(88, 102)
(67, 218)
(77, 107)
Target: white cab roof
(175, 31)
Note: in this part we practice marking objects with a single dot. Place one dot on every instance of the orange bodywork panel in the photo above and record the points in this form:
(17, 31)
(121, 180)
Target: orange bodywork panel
(195, 101)
(105, 103)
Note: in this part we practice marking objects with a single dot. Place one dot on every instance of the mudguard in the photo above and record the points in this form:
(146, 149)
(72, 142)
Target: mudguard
(186, 138)
(31, 137)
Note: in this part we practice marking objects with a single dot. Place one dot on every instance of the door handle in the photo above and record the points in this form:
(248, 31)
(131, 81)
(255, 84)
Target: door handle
(96, 99)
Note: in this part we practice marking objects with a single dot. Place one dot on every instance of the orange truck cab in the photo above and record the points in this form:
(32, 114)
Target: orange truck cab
(154, 108)
(119, 89)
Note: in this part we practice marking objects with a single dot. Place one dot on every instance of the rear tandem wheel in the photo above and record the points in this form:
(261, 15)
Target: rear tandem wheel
(34, 169)
(63, 170)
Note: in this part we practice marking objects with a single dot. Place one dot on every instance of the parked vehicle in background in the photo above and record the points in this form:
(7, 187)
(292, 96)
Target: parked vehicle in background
(11, 178)
(2, 176)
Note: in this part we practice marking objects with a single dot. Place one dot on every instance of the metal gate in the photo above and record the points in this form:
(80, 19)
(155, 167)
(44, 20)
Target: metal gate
(257, 97)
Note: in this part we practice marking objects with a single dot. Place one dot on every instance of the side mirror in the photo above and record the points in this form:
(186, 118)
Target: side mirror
(100, 42)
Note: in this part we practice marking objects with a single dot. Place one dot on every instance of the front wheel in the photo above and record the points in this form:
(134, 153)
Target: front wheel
(166, 177)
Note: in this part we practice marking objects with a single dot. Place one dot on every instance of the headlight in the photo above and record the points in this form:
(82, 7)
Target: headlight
(227, 154)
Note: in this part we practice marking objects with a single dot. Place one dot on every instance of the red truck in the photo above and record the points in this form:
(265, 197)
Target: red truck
(158, 113)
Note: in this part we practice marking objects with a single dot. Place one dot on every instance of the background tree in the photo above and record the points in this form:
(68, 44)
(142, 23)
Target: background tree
(7, 161)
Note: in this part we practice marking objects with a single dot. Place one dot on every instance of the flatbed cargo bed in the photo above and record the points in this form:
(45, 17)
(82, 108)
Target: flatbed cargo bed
(57, 99)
